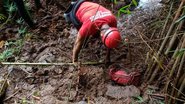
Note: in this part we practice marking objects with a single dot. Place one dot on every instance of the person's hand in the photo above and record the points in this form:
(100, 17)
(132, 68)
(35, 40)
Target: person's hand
(76, 63)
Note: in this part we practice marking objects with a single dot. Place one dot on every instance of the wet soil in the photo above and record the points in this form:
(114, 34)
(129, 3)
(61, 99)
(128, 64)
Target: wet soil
(52, 41)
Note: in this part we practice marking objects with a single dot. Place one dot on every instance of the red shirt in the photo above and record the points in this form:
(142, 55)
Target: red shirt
(93, 16)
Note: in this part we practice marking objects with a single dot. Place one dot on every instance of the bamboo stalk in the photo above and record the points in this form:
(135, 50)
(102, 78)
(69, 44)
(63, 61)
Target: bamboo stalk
(172, 41)
(183, 101)
(171, 28)
(171, 61)
(169, 64)
(182, 86)
(165, 42)
(48, 64)
(177, 60)
(167, 19)
(180, 67)
(173, 93)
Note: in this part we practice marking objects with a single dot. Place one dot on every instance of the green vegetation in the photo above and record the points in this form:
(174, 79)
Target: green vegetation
(12, 47)
(126, 9)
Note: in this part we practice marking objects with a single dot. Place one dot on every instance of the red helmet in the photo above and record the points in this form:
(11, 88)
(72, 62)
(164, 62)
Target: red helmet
(111, 38)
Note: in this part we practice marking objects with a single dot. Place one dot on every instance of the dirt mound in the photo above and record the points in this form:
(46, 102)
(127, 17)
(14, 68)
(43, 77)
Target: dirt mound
(52, 42)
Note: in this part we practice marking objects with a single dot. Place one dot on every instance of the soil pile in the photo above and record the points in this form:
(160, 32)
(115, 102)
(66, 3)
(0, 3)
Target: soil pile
(52, 41)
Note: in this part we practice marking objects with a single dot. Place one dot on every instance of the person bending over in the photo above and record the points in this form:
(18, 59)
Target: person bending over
(91, 18)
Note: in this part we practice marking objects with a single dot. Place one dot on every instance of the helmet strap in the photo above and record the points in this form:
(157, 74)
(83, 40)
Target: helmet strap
(104, 27)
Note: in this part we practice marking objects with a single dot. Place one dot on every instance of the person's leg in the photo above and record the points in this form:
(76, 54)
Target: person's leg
(107, 57)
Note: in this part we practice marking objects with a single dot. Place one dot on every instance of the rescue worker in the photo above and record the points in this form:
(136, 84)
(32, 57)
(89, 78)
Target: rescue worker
(91, 18)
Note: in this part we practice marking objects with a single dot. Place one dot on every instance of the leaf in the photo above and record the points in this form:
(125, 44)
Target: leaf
(22, 30)
(180, 19)
(124, 9)
(180, 52)
(134, 2)
(20, 21)
(2, 17)
(11, 8)
(115, 1)
(140, 99)
(6, 54)
(2, 43)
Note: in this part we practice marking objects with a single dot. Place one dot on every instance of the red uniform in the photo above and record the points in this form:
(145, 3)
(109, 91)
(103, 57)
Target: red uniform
(93, 16)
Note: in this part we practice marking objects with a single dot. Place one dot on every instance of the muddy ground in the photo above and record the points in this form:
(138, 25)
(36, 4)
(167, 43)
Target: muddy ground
(52, 41)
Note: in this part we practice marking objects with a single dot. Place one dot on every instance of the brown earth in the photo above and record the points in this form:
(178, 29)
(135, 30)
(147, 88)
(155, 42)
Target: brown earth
(52, 41)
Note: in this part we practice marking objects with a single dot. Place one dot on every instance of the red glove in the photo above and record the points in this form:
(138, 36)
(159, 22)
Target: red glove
(123, 78)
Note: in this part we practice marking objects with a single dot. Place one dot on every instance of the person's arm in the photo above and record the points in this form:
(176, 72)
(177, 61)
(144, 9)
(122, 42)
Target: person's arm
(77, 47)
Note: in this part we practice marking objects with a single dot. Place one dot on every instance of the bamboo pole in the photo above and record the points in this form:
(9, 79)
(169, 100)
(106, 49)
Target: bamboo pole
(171, 43)
(171, 28)
(179, 83)
(180, 68)
(165, 42)
(167, 20)
(49, 64)
(177, 60)
(153, 63)
(171, 61)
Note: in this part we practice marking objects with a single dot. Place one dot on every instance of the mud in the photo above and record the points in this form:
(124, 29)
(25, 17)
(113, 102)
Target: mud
(52, 41)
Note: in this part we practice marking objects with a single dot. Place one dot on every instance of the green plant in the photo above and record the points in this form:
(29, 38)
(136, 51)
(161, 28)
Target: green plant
(139, 99)
(125, 9)
(179, 52)
(22, 30)
(114, 1)
(11, 49)
(20, 21)
(10, 8)
(6, 54)
(25, 101)
(180, 19)
(2, 17)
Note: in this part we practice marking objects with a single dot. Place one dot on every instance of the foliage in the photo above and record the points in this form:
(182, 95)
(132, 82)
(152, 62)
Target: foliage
(22, 30)
(11, 48)
(2, 17)
(139, 99)
(180, 19)
(126, 9)
(114, 1)
(179, 52)
(25, 101)
(6, 54)
(20, 21)
(10, 8)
